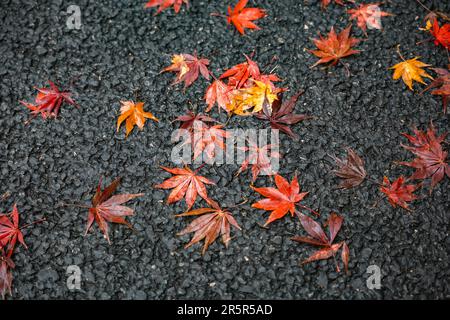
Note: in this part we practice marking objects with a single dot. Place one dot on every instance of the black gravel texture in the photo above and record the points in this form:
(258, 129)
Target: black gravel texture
(120, 50)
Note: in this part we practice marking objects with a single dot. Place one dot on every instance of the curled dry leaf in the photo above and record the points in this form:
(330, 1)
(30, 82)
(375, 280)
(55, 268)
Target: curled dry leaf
(185, 183)
(242, 18)
(281, 114)
(368, 15)
(48, 101)
(399, 193)
(108, 208)
(164, 4)
(317, 237)
(212, 223)
(134, 114)
(280, 200)
(441, 86)
(6, 264)
(334, 47)
(188, 67)
(351, 170)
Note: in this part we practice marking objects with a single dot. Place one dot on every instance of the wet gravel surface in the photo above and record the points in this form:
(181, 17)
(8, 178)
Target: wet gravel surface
(120, 49)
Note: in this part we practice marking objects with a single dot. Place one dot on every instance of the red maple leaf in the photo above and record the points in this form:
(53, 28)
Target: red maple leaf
(164, 4)
(188, 67)
(441, 35)
(208, 140)
(108, 208)
(280, 200)
(185, 183)
(441, 86)
(191, 120)
(368, 15)
(218, 92)
(259, 159)
(6, 264)
(212, 223)
(239, 74)
(399, 193)
(243, 18)
(320, 239)
(431, 159)
(48, 101)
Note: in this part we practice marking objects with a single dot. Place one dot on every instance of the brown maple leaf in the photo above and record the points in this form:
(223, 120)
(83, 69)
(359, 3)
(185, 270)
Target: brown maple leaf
(282, 199)
(212, 223)
(242, 18)
(188, 67)
(351, 170)
(185, 183)
(190, 120)
(108, 208)
(49, 101)
(281, 114)
(6, 264)
(134, 114)
(441, 86)
(368, 15)
(335, 47)
(320, 239)
(164, 4)
(399, 193)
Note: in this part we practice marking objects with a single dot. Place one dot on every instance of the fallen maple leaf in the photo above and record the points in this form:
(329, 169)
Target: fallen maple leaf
(185, 183)
(282, 199)
(212, 223)
(49, 101)
(259, 159)
(320, 239)
(243, 18)
(164, 4)
(191, 120)
(335, 47)
(108, 208)
(6, 264)
(250, 100)
(431, 159)
(281, 114)
(188, 68)
(325, 3)
(208, 140)
(10, 231)
(368, 15)
(399, 193)
(410, 70)
(441, 34)
(218, 92)
(239, 74)
(441, 86)
(351, 170)
(134, 114)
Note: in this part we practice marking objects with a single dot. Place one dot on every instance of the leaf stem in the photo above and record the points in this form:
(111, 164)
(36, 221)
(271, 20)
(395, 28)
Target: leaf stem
(309, 209)
(32, 223)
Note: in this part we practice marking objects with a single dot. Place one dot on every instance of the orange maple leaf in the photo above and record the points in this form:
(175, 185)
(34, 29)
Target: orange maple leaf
(334, 47)
(243, 17)
(134, 114)
(282, 199)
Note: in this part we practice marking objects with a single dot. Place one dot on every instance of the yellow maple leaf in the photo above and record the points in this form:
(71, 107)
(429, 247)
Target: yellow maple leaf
(250, 100)
(134, 114)
(178, 65)
(410, 70)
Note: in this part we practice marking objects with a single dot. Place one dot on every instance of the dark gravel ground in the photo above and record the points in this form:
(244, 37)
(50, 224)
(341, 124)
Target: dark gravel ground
(121, 48)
